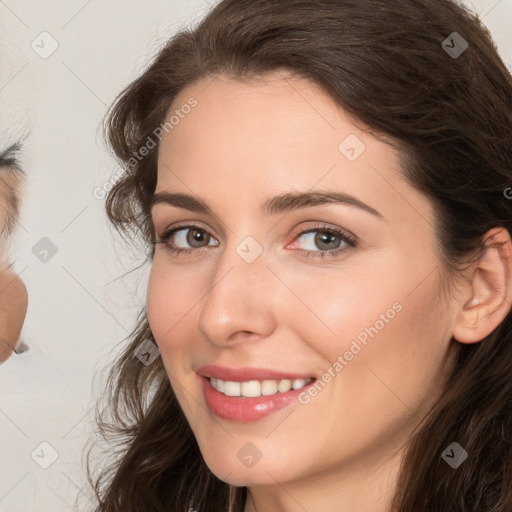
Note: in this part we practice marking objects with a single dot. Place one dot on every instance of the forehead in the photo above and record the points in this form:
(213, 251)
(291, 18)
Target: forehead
(260, 106)
(269, 124)
(247, 140)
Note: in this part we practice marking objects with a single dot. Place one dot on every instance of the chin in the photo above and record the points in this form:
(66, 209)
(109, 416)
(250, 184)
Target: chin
(240, 476)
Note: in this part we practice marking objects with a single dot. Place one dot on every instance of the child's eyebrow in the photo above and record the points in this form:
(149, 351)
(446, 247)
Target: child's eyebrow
(9, 157)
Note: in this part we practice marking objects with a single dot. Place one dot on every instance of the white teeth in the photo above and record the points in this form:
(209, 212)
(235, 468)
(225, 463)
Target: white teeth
(284, 386)
(232, 388)
(251, 388)
(298, 383)
(255, 388)
(269, 387)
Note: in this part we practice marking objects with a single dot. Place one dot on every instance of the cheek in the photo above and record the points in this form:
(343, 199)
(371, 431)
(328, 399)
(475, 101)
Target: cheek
(373, 317)
(161, 303)
(383, 360)
(393, 347)
(337, 307)
(172, 315)
(171, 302)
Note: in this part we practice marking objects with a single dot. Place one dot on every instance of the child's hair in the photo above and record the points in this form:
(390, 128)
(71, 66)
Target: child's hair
(422, 75)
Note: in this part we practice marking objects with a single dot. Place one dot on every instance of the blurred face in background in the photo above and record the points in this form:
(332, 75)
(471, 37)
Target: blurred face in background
(13, 294)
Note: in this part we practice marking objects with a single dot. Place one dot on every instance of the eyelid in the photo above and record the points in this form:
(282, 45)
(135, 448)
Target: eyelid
(324, 226)
(185, 224)
(319, 225)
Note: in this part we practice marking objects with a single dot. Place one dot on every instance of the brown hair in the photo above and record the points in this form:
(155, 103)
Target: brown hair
(383, 61)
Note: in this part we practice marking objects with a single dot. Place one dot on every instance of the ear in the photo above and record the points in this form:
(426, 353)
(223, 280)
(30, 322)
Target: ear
(489, 293)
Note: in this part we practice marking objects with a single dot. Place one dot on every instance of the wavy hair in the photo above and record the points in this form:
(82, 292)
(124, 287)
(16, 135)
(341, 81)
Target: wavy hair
(387, 63)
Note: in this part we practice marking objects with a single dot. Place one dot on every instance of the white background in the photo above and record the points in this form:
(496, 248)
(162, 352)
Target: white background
(80, 308)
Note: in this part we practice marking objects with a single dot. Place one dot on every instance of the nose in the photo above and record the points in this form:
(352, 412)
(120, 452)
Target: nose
(240, 302)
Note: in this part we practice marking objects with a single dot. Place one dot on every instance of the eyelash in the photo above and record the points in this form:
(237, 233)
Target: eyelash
(322, 228)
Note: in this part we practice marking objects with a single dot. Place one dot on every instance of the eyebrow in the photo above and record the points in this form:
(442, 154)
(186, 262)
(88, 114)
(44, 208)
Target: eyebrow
(282, 203)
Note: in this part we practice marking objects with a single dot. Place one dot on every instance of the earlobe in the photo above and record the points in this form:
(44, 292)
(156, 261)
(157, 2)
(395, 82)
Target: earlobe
(490, 289)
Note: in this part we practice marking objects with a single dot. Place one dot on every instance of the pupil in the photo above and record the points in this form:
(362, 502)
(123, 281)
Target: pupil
(326, 238)
(197, 235)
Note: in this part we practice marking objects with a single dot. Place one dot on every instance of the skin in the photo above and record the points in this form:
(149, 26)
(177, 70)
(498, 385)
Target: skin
(10, 185)
(13, 293)
(243, 143)
(13, 309)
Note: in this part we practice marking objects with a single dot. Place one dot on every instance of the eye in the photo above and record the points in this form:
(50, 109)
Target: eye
(9, 157)
(191, 234)
(330, 241)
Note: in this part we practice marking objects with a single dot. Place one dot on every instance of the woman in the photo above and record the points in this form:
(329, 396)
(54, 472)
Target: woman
(13, 293)
(322, 189)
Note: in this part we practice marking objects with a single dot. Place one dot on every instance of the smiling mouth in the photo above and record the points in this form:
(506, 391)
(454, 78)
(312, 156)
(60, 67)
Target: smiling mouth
(256, 388)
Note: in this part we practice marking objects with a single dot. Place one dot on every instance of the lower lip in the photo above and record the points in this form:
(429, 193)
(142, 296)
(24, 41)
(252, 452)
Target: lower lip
(243, 409)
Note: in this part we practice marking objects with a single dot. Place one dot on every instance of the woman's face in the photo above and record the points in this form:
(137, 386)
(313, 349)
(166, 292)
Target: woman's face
(254, 300)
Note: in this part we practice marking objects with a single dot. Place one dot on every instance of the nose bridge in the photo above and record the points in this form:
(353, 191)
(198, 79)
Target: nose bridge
(239, 295)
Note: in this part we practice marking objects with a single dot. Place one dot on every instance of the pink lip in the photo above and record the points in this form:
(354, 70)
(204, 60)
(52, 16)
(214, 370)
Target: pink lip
(246, 374)
(243, 409)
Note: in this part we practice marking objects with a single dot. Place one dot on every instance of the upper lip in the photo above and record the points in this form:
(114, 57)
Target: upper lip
(246, 374)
